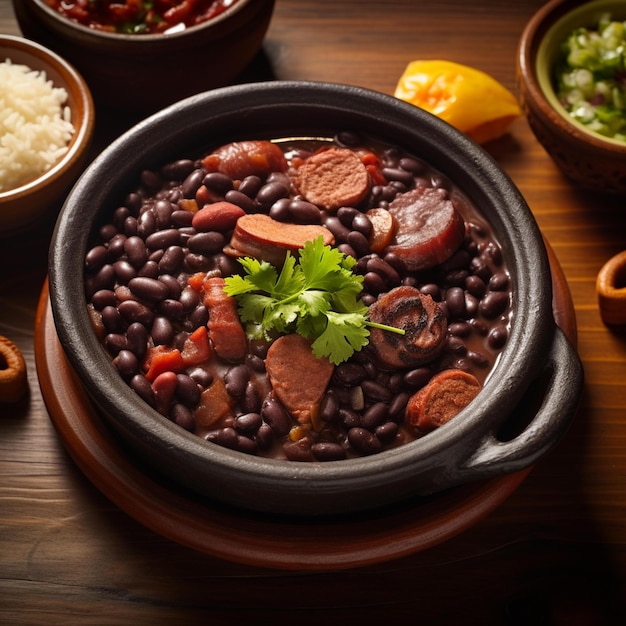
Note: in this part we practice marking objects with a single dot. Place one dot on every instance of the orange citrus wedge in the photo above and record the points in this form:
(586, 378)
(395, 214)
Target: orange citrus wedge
(465, 97)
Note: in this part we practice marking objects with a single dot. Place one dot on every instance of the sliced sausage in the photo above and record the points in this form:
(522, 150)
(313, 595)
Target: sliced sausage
(246, 158)
(263, 237)
(13, 380)
(429, 230)
(333, 178)
(299, 379)
(225, 330)
(424, 322)
(441, 399)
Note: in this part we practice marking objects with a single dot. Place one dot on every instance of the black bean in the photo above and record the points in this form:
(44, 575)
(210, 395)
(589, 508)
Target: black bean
(335, 226)
(112, 319)
(494, 303)
(137, 337)
(178, 170)
(162, 331)
(303, 212)
(189, 298)
(328, 451)
(279, 211)
(499, 282)
(95, 258)
(183, 416)
(174, 288)
(374, 415)
(384, 269)
(192, 182)
(251, 400)
(201, 376)
(241, 200)
(350, 418)
(363, 441)
(497, 336)
(126, 364)
(398, 404)
(124, 271)
(412, 165)
(418, 377)
(478, 358)
(162, 239)
(374, 283)
(460, 329)
(375, 390)
(359, 242)
(248, 422)
(264, 437)
(276, 416)
(387, 432)
(103, 279)
(475, 285)
(209, 242)
(133, 311)
(298, 451)
(349, 373)
(398, 174)
(181, 218)
(115, 342)
(236, 379)
(142, 387)
(250, 185)
(198, 317)
(329, 406)
(135, 250)
(150, 269)
(150, 289)
(270, 193)
(102, 298)
(455, 300)
(218, 182)
(172, 260)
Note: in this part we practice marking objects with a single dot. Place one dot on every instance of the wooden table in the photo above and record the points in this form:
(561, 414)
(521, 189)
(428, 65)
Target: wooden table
(553, 553)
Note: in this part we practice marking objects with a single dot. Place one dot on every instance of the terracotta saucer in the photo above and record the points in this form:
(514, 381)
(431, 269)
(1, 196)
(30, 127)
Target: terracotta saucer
(249, 538)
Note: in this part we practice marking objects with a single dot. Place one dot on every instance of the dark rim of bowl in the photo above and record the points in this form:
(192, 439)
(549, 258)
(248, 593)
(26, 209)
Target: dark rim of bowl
(82, 131)
(175, 129)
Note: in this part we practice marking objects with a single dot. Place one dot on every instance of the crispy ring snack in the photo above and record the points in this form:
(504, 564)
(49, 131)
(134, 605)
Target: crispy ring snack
(13, 381)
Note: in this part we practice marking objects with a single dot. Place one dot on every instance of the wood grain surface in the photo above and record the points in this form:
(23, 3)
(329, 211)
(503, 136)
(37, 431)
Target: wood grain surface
(553, 553)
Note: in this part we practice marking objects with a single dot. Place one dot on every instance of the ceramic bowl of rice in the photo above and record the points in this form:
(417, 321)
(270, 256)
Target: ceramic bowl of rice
(46, 127)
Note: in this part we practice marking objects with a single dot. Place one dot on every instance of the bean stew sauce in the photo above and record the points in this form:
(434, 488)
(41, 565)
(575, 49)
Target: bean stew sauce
(429, 264)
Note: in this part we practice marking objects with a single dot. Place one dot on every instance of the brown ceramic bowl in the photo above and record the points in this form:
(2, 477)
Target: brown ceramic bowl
(590, 160)
(142, 73)
(22, 206)
(538, 376)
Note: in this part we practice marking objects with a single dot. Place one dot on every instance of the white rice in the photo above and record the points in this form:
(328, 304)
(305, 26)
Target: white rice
(35, 124)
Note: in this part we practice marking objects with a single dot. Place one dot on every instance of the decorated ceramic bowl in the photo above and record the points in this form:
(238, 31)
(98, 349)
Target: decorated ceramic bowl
(287, 418)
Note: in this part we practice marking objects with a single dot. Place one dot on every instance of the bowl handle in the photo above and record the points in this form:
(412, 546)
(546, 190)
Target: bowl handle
(540, 419)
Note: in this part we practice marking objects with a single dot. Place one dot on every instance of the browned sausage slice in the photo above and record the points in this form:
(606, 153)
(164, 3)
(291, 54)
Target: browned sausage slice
(262, 237)
(225, 329)
(430, 229)
(441, 399)
(245, 158)
(299, 379)
(333, 178)
(423, 321)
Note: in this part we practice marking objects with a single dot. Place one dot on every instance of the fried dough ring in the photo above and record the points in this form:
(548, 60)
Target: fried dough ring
(13, 381)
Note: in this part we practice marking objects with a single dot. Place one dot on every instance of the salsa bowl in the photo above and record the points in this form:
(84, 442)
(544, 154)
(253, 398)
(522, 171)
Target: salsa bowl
(590, 160)
(140, 73)
(525, 402)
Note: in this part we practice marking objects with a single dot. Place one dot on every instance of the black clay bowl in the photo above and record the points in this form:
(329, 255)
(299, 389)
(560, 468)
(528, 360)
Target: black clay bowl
(538, 376)
(144, 72)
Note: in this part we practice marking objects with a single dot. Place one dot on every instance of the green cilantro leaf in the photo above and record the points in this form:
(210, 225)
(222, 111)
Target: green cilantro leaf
(316, 295)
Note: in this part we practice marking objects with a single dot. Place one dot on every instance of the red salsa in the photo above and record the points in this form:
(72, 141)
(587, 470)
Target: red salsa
(140, 16)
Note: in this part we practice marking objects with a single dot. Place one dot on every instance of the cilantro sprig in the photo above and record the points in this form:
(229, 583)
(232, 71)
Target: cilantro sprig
(316, 295)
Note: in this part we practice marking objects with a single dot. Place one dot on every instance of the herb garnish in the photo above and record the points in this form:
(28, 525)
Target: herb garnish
(316, 295)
